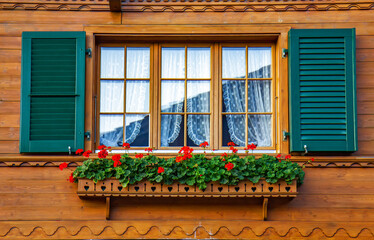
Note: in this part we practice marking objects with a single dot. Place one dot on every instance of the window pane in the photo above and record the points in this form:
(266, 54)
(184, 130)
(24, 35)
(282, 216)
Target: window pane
(172, 96)
(198, 129)
(198, 96)
(111, 96)
(259, 96)
(198, 62)
(233, 129)
(137, 96)
(112, 62)
(173, 63)
(233, 62)
(172, 131)
(233, 96)
(137, 62)
(259, 62)
(137, 130)
(259, 130)
(111, 130)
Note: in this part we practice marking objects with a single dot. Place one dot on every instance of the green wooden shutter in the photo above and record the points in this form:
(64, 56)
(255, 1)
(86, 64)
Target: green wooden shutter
(322, 90)
(52, 91)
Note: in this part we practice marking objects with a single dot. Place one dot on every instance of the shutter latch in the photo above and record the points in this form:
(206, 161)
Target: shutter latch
(87, 135)
(306, 150)
(285, 135)
(284, 52)
(89, 52)
(69, 148)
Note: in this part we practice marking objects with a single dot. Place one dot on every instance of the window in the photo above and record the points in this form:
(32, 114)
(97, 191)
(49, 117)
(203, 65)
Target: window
(171, 95)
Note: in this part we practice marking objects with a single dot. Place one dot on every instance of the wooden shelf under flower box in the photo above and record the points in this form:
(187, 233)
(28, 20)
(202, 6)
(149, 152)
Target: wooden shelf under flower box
(113, 188)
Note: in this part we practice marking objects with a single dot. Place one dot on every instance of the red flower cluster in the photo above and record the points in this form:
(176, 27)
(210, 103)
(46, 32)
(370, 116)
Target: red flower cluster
(116, 158)
(71, 178)
(126, 145)
(279, 155)
(102, 154)
(149, 150)
(101, 147)
(185, 154)
(139, 155)
(204, 144)
(87, 153)
(160, 170)
(229, 166)
(287, 157)
(62, 166)
(234, 150)
(79, 151)
(251, 147)
(231, 144)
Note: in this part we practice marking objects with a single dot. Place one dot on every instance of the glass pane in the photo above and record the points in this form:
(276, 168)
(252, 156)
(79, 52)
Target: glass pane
(259, 96)
(172, 96)
(137, 96)
(260, 130)
(137, 130)
(233, 96)
(111, 96)
(172, 63)
(172, 131)
(198, 129)
(198, 62)
(111, 130)
(112, 62)
(233, 62)
(233, 130)
(259, 62)
(198, 96)
(137, 64)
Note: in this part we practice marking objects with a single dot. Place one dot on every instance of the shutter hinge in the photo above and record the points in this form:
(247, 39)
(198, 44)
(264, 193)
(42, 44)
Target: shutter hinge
(285, 135)
(89, 52)
(284, 52)
(87, 135)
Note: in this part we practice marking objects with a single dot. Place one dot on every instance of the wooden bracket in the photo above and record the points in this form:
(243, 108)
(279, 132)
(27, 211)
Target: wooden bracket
(115, 5)
(265, 209)
(107, 215)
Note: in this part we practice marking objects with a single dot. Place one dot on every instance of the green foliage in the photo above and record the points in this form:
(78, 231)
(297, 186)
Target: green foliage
(196, 170)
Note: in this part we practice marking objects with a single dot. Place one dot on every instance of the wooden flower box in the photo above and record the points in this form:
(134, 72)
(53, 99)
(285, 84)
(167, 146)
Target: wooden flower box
(113, 188)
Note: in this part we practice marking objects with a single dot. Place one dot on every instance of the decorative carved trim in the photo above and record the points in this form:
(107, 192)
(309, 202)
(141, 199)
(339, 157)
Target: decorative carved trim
(191, 5)
(175, 229)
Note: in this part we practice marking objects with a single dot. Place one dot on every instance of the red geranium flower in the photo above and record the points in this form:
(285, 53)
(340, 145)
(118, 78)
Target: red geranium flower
(279, 155)
(288, 157)
(229, 166)
(234, 150)
(103, 153)
(71, 178)
(160, 170)
(79, 151)
(126, 145)
(101, 147)
(231, 144)
(312, 159)
(87, 153)
(62, 166)
(224, 155)
(251, 146)
(116, 157)
(204, 144)
(140, 155)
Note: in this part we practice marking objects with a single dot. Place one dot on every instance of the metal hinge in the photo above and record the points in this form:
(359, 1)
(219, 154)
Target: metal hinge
(89, 52)
(285, 135)
(87, 135)
(284, 53)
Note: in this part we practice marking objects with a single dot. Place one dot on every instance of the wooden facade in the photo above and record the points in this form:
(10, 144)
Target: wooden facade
(336, 200)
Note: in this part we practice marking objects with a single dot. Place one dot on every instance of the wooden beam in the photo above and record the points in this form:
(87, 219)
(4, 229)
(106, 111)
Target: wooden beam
(115, 5)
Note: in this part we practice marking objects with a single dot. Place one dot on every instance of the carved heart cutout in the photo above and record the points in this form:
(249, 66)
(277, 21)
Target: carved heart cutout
(153, 189)
(288, 189)
(271, 189)
(120, 188)
(136, 188)
(254, 189)
(103, 188)
(86, 188)
(170, 188)
(237, 189)
(186, 189)
(203, 190)
(220, 189)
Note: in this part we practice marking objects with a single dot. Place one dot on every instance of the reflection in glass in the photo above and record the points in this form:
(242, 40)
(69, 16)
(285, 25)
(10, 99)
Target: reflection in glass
(259, 130)
(137, 64)
(112, 62)
(233, 129)
(198, 129)
(233, 94)
(198, 62)
(172, 96)
(111, 130)
(233, 62)
(137, 96)
(259, 62)
(259, 96)
(137, 130)
(198, 96)
(172, 131)
(111, 96)
(172, 62)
